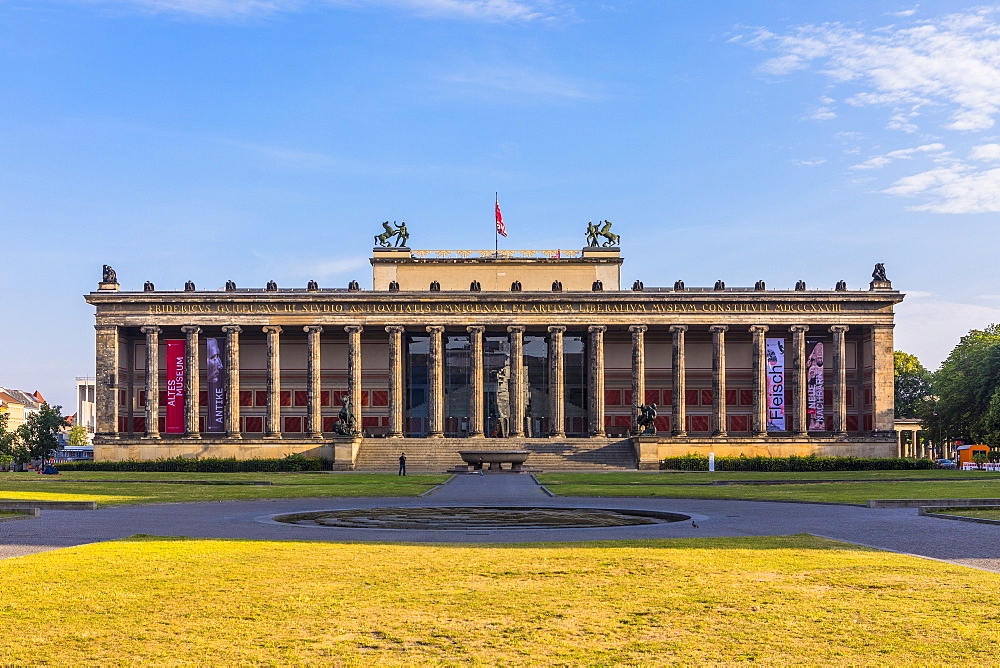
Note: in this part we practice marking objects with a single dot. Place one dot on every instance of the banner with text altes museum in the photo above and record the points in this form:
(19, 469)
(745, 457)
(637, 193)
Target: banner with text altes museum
(775, 358)
(175, 386)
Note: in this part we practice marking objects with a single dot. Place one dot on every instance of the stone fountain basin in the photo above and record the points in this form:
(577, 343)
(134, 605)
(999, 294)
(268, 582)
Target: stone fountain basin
(495, 456)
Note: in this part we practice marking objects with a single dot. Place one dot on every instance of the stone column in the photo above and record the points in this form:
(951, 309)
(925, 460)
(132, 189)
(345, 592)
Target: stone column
(192, 382)
(354, 373)
(517, 387)
(272, 426)
(314, 370)
(799, 426)
(435, 381)
(839, 426)
(679, 409)
(476, 400)
(152, 333)
(595, 344)
(557, 385)
(395, 380)
(232, 419)
(883, 382)
(638, 367)
(719, 379)
(759, 380)
(106, 382)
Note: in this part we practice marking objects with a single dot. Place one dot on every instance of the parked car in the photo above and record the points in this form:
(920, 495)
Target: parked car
(945, 463)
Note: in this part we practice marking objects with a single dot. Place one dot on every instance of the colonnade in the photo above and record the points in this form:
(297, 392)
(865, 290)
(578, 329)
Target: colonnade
(796, 413)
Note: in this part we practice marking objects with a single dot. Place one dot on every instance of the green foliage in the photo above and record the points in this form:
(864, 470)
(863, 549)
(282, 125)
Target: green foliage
(968, 384)
(692, 462)
(38, 433)
(8, 440)
(290, 463)
(77, 435)
(913, 383)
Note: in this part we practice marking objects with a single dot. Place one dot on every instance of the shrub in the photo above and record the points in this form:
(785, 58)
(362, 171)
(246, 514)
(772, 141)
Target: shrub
(693, 462)
(291, 463)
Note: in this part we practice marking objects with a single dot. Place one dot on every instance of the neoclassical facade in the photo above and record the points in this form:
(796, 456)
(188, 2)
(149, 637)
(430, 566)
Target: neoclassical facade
(451, 347)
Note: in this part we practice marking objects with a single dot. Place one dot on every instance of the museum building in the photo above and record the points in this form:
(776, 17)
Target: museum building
(457, 350)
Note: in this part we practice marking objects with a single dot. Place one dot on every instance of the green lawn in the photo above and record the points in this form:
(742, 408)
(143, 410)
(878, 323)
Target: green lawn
(862, 485)
(775, 600)
(983, 513)
(114, 488)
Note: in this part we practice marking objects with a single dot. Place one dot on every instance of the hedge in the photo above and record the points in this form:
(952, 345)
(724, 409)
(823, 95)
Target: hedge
(694, 462)
(207, 465)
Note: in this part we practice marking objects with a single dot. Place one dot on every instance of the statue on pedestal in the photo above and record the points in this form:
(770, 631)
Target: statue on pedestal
(593, 231)
(400, 232)
(109, 275)
(644, 421)
(347, 424)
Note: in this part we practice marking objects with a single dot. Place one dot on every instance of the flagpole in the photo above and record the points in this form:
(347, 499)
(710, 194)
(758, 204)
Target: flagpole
(496, 229)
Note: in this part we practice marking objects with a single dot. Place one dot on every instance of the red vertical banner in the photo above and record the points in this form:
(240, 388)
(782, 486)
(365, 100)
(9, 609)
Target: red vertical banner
(175, 386)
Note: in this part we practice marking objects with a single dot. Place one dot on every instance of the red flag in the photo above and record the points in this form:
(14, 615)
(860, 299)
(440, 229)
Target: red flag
(501, 228)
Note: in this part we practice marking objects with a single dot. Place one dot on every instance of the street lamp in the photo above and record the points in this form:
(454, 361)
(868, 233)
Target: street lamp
(938, 446)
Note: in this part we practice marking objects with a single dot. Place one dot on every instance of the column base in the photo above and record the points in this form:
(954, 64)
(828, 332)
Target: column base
(152, 437)
(316, 435)
(435, 435)
(557, 434)
(235, 435)
(397, 434)
(273, 437)
(678, 433)
(720, 434)
(598, 434)
(193, 437)
(475, 434)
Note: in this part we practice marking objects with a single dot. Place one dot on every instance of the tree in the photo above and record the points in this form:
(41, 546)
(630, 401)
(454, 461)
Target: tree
(78, 435)
(968, 384)
(8, 440)
(913, 383)
(38, 433)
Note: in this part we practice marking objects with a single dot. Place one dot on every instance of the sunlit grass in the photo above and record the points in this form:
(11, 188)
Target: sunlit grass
(793, 599)
(981, 513)
(112, 488)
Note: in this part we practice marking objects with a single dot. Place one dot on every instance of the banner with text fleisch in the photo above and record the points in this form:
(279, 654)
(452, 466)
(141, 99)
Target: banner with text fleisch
(215, 421)
(175, 386)
(815, 418)
(774, 358)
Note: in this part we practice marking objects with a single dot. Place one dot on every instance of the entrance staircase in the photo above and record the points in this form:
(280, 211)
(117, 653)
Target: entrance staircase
(548, 454)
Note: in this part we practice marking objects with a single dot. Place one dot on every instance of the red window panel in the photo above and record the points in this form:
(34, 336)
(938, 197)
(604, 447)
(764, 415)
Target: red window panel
(668, 397)
(203, 398)
(285, 398)
(365, 397)
(732, 396)
(374, 421)
(122, 396)
(827, 397)
(699, 423)
(613, 397)
(852, 423)
(868, 422)
(829, 421)
(163, 397)
(142, 398)
(450, 423)
(246, 397)
(380, 397)
(626, 397)
(385, 420)
(324, 398)
(414, 425)
(201, 424)
(850, 397)
(139, 424)
(746, 397)
(293, 424)
(338, 397)
(328, 422)
(706, 397)
(254, 425)
(662, 423)
(868, 396)
(623, 421)
(652, 397)
(162, 424)
(608, 420)
(122, 424)
(260, 398)
(301, 398)
(691, 397)
(739, 423)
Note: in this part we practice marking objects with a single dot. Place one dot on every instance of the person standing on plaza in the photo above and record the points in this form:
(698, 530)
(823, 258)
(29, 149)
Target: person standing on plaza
(402, 463)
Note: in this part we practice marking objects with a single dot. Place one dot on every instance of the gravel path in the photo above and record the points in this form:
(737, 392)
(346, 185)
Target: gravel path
(898, 530)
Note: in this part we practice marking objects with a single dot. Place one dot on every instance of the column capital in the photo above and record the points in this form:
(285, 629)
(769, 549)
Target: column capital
(556, 329)
(674, 329)
(799, 329)
(638, 329)
(883, 325)
(271, 329)
(473, 329)
(718, 329)
(191, 329)
(395, 329)
(313, 328)
(838, 328)
(758, 329)
(150, 329)
(232, 329)
(354, 329)
(515, 329)
(435, 329)
(597, 329)
(106, 328)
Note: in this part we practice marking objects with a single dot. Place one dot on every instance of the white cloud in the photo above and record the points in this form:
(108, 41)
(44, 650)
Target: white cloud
(985, 153)
(904, 154)
(952, 189)
(216, 9)
(521, 81)
(812, 162)
(490, 10)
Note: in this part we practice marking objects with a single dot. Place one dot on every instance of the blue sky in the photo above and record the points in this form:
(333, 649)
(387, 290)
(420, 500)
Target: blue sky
(254, 140)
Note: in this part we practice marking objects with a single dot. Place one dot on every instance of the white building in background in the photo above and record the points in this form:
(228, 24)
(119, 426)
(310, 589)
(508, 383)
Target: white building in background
(86, 413)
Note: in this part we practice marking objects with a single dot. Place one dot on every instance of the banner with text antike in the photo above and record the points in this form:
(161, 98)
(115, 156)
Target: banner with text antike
(774, 357)
(215, 421)
(175, 386)
(815, 418)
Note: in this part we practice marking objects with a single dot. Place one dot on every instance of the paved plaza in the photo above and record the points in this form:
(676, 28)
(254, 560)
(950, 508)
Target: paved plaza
(898, 530)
